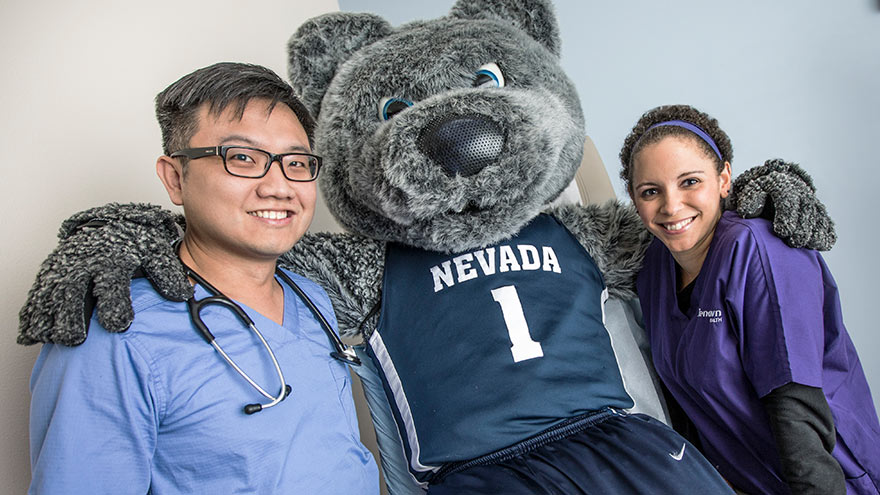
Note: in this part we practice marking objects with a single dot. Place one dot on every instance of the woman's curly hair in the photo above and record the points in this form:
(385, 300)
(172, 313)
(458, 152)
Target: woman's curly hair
(640, 136)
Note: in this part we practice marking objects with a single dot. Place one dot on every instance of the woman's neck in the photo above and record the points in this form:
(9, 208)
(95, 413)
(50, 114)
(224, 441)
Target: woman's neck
(691, 262)
(686, 276)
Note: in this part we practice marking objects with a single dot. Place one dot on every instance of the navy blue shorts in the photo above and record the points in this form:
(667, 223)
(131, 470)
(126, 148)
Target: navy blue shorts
(608, 453)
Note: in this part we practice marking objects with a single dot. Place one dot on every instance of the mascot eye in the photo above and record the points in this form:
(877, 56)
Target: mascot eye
(490, 76)
(388, 107)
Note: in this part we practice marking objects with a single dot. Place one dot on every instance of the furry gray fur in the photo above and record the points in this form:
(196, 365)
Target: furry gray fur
(377, 182)
(351, 265)
(101, 249)
(784, 192)
(614, 237)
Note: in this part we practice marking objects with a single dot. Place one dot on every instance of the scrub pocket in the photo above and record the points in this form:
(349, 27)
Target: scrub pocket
(342, 379)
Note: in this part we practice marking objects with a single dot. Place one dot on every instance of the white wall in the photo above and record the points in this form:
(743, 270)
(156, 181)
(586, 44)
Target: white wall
(78, 130)
(796, 79)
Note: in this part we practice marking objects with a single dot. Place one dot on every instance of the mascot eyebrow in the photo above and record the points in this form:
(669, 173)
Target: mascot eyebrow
(442, 197)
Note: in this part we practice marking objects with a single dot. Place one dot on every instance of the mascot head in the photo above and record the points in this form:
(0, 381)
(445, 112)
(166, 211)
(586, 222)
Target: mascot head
(448, 134)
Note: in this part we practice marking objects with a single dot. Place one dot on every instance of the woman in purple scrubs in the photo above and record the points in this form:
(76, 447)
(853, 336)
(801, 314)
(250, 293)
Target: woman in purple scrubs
(746, 332)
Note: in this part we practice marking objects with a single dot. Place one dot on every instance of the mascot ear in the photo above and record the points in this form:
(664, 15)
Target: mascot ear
(535, 17)
(322, 44)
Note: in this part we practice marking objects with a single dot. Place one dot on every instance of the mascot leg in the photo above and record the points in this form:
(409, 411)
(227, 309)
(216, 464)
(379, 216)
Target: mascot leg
(614, 453)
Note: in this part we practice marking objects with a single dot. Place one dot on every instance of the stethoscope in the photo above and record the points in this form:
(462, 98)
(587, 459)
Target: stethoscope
(342, 352)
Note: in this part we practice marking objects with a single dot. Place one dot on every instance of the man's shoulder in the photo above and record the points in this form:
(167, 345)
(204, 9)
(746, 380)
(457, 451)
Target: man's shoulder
(154, 315)
(144, 297)
(307, 284)
(102, 343)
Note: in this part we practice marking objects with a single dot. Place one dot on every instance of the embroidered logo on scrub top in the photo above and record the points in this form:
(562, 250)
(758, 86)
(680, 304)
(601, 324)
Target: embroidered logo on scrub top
(713, 315)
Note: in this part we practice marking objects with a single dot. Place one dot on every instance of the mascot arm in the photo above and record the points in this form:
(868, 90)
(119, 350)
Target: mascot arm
(100, 251)
(784, 193)
(348, 266)
(613, 235)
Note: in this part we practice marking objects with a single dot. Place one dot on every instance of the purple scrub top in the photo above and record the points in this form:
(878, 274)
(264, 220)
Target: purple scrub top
(762, 315)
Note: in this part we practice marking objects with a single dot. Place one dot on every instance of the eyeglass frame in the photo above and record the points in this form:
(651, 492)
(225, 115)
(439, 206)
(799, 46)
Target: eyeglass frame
(196, 153)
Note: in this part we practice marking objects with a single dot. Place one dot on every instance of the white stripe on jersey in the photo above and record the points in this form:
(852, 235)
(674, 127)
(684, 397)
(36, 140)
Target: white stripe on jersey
(630, 345)
(378, 347)
(604, 298)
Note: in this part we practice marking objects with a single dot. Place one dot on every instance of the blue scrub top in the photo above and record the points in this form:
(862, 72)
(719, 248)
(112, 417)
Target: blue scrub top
(762, 315)
(156, 408)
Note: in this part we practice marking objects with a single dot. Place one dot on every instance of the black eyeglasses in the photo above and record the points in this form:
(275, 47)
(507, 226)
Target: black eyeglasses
(253, 163)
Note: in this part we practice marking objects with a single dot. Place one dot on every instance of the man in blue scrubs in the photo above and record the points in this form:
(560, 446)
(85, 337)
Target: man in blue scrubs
(156, 409)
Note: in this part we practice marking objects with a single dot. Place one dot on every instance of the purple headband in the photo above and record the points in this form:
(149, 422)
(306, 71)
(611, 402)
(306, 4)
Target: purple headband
(691, 127)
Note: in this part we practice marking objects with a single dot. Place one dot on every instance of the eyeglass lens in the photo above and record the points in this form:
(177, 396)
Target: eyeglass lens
(245, 162)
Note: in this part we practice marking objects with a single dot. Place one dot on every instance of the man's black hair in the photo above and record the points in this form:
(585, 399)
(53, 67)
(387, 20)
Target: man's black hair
(218, 86)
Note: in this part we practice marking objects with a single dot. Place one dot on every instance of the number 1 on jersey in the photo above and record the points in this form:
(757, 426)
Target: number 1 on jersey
(523, 347)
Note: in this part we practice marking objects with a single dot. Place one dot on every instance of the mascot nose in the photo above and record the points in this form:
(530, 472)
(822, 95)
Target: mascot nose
(462, 144)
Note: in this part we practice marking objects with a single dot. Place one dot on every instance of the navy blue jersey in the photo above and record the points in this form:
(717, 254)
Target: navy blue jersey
(484, 349)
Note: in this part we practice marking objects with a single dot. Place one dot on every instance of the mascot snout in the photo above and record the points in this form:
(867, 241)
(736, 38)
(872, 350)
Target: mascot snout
(462, 144)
